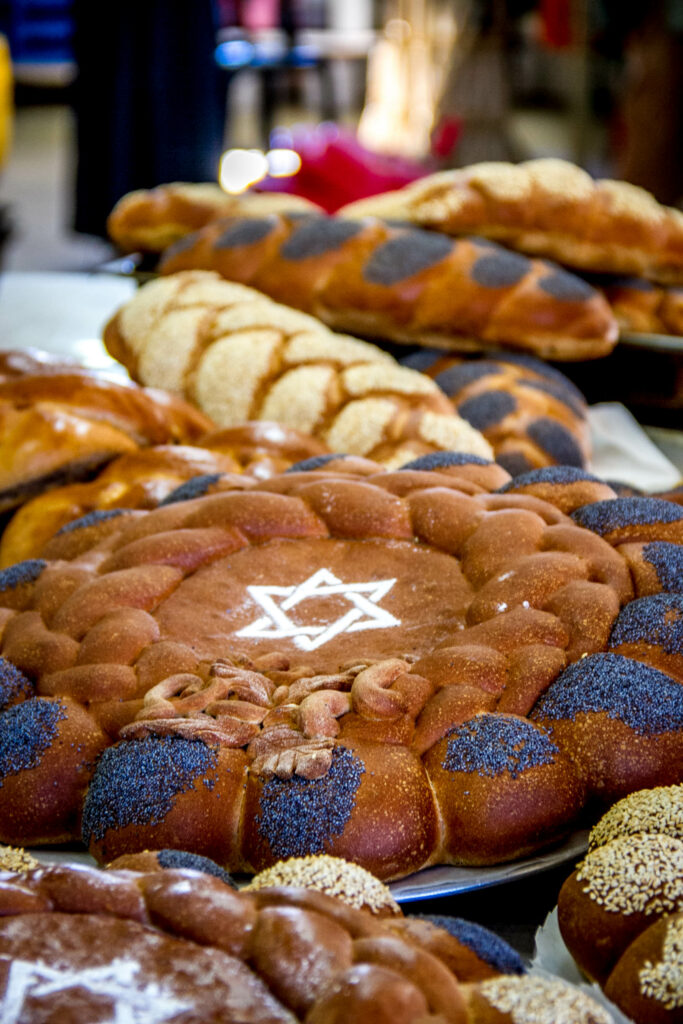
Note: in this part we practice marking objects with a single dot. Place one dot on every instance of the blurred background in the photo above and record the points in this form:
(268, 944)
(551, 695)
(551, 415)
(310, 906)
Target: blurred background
(333, 99)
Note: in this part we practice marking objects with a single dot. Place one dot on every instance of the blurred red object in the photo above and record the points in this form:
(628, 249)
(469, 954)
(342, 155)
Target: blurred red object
(336, 169)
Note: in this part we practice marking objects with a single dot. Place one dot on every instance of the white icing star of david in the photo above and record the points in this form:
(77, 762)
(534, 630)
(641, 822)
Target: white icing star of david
(148, 1004)
(365, 612)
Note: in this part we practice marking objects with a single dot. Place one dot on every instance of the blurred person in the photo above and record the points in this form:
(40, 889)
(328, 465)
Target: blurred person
(148, 100)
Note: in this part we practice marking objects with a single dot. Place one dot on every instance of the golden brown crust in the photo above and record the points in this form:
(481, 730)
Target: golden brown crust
(642, 307)
(152, 219)
(58, 426)
(549, 208)
(407, 285)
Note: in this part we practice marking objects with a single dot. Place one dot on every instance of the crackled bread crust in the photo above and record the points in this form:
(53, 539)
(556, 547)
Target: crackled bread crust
(405, 284)
(239, 356)
(549, 208)
(500, 672)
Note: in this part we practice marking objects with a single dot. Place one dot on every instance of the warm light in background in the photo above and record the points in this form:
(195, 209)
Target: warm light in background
(242, 168)
(283, 163)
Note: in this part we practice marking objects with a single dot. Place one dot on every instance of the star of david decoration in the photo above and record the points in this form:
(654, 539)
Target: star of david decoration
(276, 602)
(131, 1004)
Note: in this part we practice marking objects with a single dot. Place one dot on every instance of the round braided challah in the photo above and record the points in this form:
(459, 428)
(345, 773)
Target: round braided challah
(400, 668)
(181, 945)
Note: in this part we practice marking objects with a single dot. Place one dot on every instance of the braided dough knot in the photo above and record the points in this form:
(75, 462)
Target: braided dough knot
(310, 759)
(371, 693)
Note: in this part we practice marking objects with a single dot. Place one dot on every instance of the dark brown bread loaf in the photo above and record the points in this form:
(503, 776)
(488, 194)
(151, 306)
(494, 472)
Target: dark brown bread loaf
(406, 285)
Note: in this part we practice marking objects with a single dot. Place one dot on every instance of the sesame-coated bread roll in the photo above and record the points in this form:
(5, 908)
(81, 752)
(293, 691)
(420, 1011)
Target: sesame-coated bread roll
(406, 285)
(239, 356)
(545, 207)
(646, 981)
(616, 892)
(647, 810)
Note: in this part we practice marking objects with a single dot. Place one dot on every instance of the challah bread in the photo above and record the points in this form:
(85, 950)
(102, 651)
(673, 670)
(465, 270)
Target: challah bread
(149, 220)
(529, 412)
(643, 307)
(406, 285)
(148, 476)
(56, 427)
(239, 356)
(181, 945)
(338, 660)
(545, 207)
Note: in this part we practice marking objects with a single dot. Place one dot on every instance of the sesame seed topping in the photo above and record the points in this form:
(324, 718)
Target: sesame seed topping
(491, 744)
(334, 876)
(135, 782)
(656, 620)
(642, 697)
(196, 487)
(14, 685)
(13, 858)
(488, 946)
(533, 1000)
(26, 732)
(667, 561)
(23, 572)
(639, 874)
(658, 810)
(300, 816)
(604, 516)
(663, 981)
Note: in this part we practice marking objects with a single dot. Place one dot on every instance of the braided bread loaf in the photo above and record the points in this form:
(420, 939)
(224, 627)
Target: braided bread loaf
(180, 945)
(548, 208)
(399, 668)
(406, 285)
(239, 356)
(60, 426)
(529, 412)
(643, 307)
(149, 220)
